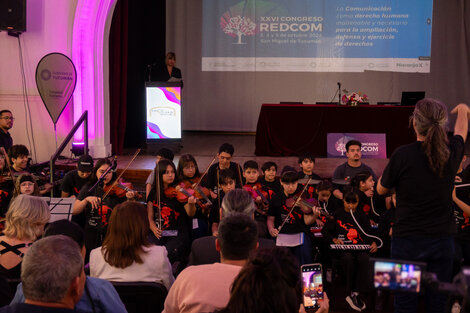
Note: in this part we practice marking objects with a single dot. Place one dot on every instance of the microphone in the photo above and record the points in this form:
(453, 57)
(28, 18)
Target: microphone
(339, 93)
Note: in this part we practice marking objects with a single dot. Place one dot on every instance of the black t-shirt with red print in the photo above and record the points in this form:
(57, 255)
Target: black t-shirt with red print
(278, 208)
(106, 209)
(274, 186)
(462, 219)
(344, 227)
(257, 190)
(72, 183)
(310, 191)
(174, 215)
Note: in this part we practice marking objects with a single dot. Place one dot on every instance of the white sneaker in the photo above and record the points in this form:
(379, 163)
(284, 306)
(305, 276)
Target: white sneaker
(355, 302)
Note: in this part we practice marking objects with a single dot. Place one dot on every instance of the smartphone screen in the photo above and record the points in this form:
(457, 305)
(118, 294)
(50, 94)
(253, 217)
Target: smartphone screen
(401, 276)
(312, 285)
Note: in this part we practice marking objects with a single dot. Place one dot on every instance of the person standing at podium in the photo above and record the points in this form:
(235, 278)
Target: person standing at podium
(169, 72)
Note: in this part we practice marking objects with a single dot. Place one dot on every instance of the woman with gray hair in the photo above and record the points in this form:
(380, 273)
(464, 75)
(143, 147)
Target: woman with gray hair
(24, 223)
(238, 201)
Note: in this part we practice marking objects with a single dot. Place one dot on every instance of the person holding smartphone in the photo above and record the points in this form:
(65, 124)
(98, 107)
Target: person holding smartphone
(270, 282)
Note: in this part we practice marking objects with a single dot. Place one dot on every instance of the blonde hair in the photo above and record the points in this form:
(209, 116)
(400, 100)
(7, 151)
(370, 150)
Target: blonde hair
(26, 217)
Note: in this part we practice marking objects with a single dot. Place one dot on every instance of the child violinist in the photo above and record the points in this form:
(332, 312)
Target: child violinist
(26, 185)
(188, 177)
(226, 183)
(96, 206)
(328, 204)
(260, 195)
(168, 218)
(307, 163)
(225, 154)
(351, 226)
(370, 202)
(269, 180)
(294, 221)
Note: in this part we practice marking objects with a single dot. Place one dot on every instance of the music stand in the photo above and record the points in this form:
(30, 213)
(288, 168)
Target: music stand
(60, 208)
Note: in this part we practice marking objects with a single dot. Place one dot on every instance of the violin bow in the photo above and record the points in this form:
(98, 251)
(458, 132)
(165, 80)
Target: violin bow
(2, 149)
(157, 190)
(122, 173)
(240, 175)
(218, 187)
(205, 172)
(295, 204)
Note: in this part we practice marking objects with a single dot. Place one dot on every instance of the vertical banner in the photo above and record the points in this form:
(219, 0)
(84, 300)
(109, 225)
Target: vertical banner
(56, 78)
(374, 146)
(163, 111)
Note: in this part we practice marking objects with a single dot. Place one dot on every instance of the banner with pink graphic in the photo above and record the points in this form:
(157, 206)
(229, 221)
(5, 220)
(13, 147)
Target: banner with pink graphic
(374, 146)
(163, 111)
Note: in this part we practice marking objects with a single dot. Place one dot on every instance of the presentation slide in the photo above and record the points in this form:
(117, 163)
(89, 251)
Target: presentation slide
(317, 35)
(163, 112)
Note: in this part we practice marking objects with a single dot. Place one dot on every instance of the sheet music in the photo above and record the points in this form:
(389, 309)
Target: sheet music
(60, 208)
(289, 240)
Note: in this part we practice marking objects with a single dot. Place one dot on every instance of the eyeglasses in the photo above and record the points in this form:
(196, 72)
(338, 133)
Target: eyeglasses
(7, 118)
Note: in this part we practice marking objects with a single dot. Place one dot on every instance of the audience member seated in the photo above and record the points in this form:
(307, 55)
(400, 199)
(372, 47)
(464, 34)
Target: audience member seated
(24, 223)
(351, 167)
(6, 293)
(126, 254)
(52, 275)
(99, 295)
(203, 249)
(206, 288)
(269, 282)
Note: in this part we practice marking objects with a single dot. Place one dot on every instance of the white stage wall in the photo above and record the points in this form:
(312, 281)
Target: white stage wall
(49, 29)
(231, 101)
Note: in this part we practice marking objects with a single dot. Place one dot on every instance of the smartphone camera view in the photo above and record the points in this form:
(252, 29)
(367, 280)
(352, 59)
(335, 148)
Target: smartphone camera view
(312, 285)
(399, 276)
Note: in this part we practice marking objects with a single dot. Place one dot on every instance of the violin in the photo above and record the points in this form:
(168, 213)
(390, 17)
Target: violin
(306, 205)
(256, 191)
(120, 190)
(182, 194)
(201, 193)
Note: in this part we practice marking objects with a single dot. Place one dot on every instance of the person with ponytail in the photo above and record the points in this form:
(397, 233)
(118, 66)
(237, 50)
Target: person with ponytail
(423, 173)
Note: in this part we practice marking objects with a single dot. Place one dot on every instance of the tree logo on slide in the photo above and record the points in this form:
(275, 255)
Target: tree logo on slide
(340, 144)
(237, 26)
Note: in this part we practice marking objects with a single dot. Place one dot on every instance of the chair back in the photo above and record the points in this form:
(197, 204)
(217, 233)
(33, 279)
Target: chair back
(141, 297)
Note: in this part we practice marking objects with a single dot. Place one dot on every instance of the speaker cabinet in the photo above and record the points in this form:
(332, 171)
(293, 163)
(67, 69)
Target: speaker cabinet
(13, 15)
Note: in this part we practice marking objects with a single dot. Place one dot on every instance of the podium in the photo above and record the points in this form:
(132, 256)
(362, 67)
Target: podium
(163, 115)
